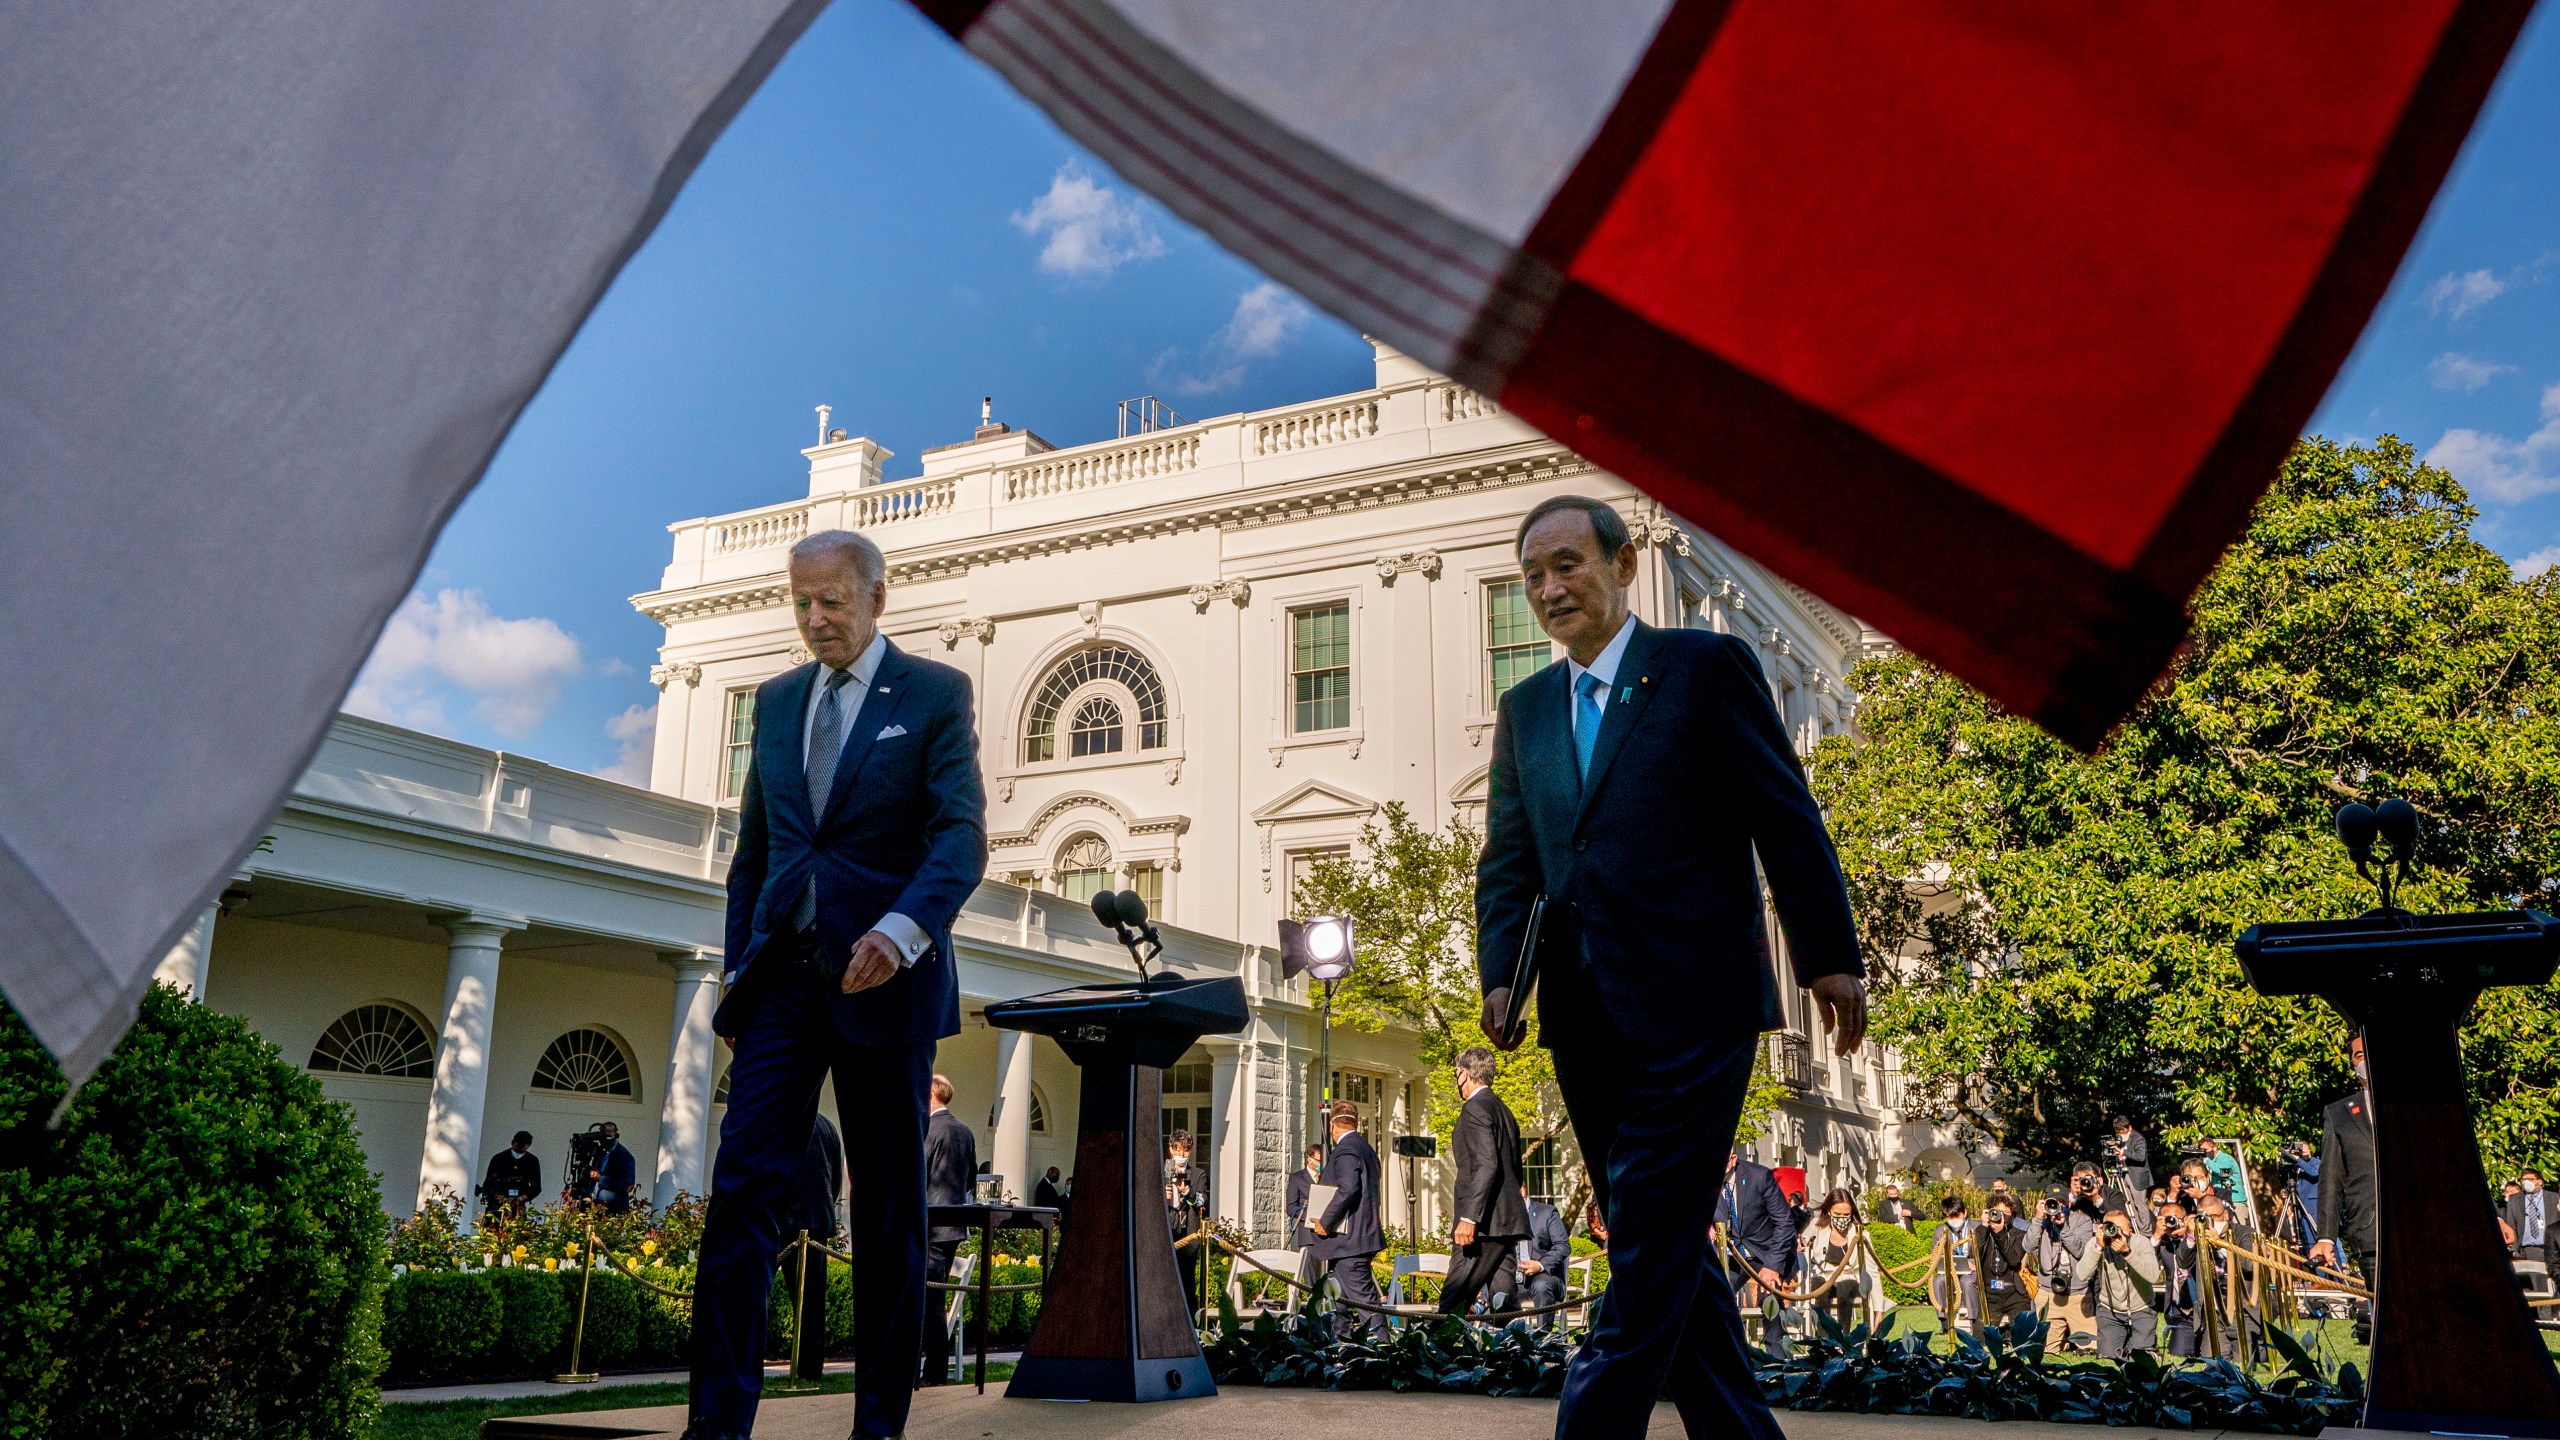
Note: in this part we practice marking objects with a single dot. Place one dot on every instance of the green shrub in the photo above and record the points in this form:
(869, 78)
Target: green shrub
(533, 1320)
(666, 1324)
(195, 1250)
(840, 1307)
(1896, 1246)
(612, 1332)
(437, 1323)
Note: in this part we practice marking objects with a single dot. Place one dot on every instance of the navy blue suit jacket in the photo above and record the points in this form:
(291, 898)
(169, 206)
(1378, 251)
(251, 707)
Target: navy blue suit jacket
(1762, 1224)
(1352, 1219)
(904, 830)
(1647, 868)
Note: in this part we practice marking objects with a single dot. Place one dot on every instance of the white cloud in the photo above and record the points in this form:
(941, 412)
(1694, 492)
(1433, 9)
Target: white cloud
(511, 669)
(2504, 469)
(2546, 558)
(2454, 296)
(1087, 228)
(635, 732)
(2466, 373)
(1266, 319)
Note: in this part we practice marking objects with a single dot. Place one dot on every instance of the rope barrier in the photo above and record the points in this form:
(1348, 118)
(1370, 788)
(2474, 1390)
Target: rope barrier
(1294, 1283)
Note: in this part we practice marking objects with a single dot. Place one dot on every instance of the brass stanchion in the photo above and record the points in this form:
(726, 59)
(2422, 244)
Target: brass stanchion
(792, 1383)
(586, 1283)
(2208, 1321)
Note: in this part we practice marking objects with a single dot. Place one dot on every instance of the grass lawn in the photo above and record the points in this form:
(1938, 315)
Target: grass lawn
(2333, 1341)
(460, 1419)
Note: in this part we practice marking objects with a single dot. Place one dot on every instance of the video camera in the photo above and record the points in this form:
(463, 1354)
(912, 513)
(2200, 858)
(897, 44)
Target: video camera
(586, 1152)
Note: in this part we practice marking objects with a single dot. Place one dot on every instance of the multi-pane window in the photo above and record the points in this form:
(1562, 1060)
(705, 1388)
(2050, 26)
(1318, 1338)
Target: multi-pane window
(1370, 1093)
(377, 1040)
(584, 1062)
(1095, 729)
(1148, 881)
(1542, 1167)
(1514, 647)
(1320, 667)
(740, 745)
(1084, 868)
(1186, 1104)
(1117, 664)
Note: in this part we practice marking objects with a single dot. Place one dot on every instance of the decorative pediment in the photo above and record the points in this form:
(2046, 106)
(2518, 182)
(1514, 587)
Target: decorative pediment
(1475, 789)
(1129, 823)
(1314, 800)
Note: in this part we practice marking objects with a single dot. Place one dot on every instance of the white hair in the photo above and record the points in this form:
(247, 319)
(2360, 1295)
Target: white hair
(844, 546)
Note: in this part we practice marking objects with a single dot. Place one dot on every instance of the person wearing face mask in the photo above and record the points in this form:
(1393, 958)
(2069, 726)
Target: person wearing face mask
(2526, 1223)
(1962, 1241)
(1835, 1250)
(2002, 1257)
(2058, 1238)
(2234, 1282)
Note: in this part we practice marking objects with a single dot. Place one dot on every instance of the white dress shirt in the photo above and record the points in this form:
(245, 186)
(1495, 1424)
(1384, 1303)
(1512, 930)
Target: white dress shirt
(1604, 665)
(904, 934)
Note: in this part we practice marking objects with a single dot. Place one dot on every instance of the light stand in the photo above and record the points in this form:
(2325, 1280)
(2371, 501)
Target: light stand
(1319, 947)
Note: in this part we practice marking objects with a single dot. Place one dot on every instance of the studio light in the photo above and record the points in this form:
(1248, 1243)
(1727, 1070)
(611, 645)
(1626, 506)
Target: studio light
(1329, 947)
(1319, 947)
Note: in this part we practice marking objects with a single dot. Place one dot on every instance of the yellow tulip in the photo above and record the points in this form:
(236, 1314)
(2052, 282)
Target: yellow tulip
(648, 1247)
(550, 1263)
(571, 1247)
(518, 1252)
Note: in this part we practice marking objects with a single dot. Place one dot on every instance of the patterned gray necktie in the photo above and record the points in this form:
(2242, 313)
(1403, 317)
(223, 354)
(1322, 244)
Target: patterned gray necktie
(826, 747)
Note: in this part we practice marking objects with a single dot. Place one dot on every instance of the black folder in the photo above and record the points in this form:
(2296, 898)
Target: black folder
(1522, 978)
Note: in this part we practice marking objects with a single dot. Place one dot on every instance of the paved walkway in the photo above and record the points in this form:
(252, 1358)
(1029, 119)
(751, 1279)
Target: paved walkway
(519, 1389)
(1257, 1414)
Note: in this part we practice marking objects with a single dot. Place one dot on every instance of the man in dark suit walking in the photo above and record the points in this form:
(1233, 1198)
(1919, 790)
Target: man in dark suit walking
(1491, 1217)
(1348, 1235)
(861, 833)
(2347, 1174)
(1633, 784)
(1761, 1228)
(1046, 1195)
(950, 1173)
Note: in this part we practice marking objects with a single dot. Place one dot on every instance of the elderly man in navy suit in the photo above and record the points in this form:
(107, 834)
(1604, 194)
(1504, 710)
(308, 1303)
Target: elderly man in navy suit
(1633, 784)
(862, 831)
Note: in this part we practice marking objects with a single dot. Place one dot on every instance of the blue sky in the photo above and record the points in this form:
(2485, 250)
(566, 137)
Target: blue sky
(888, 230)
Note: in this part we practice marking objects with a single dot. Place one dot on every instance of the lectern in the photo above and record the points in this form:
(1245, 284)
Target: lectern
(1114, 1324)
(2454, 1346)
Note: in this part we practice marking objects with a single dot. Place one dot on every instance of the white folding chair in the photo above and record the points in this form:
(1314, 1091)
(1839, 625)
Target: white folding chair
(955, 1312)
(1577, 1286)
(1423, 1264)
(1250, 1289)
(2534, 1278)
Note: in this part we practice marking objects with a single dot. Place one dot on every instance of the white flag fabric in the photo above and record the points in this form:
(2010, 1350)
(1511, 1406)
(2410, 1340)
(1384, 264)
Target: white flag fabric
(275, 279)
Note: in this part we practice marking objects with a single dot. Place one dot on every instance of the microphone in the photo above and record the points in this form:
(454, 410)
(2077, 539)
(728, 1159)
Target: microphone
(2357, 825)
(1130, 906)
(1106, 908)
(2398, 821)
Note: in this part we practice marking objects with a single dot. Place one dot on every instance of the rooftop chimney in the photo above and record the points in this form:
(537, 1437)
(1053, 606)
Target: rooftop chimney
(988, 424)
(823, 412)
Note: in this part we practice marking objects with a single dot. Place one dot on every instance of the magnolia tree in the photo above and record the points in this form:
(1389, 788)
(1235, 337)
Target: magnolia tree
(2051, 932)
(1411, 896)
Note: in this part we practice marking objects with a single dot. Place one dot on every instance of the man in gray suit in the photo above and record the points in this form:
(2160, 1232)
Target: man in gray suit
(1491, 1218)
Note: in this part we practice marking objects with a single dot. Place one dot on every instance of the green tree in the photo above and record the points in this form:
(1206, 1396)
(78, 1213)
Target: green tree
(2063, 922)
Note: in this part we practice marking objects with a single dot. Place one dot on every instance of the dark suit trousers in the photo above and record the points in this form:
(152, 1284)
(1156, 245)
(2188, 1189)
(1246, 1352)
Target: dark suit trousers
(1655, 1132)
(1473, 1268)
(787, 1044)
(1360, 1283)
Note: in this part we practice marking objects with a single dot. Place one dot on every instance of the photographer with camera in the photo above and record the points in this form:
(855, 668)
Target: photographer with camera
(2175, 1244)
(606, 1174)
(2234, 1279)
(2121, 1274)
(2061, 1238)
(2128, 1157)
(2221, 1168)
(514, 1178)
(2003, 1261)
(1186, 1205)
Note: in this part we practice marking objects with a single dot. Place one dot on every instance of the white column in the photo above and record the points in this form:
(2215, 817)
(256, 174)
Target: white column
(190, 960)
(684, 1117)
(1012, 1147)
(461, 1090)
(1231, 1139)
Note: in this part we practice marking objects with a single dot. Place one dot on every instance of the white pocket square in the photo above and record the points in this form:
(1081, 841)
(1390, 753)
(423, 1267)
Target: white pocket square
(891, 733)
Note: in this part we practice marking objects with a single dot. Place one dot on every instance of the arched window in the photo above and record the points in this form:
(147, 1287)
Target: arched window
(584, 1062)
(1039, 1112)
(377, 1039)
(1096, 729)
(1084, 868)
(1106, 669)
(720, 1092)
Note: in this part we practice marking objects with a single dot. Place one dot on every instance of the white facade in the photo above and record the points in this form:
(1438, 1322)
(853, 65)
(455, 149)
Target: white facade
(1270, 625)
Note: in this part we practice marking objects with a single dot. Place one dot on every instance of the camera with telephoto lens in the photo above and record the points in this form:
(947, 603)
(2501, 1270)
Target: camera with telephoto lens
(2114, 1231)
(2288, 1166)
(2053, 1207)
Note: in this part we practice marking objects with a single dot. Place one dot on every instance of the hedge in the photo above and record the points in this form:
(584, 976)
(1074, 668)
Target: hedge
(196, 1249)
(438, 1323)
(534, 1319)
(1896, 1246)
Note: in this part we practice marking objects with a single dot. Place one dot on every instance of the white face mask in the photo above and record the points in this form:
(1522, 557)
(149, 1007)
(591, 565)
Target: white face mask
(1958, 1224)
(2532, 1187)
(2361, 1077)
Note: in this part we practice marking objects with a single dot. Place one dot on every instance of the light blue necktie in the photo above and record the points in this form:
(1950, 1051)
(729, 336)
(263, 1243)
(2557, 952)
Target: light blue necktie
(826, 747)
(1586, 720)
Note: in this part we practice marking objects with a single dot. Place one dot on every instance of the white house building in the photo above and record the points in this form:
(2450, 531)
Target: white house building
(1205, 654)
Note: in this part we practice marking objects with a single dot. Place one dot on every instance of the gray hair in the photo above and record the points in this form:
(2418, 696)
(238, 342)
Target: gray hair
(1607, 526)
(1476, 1063)
(847, 547)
